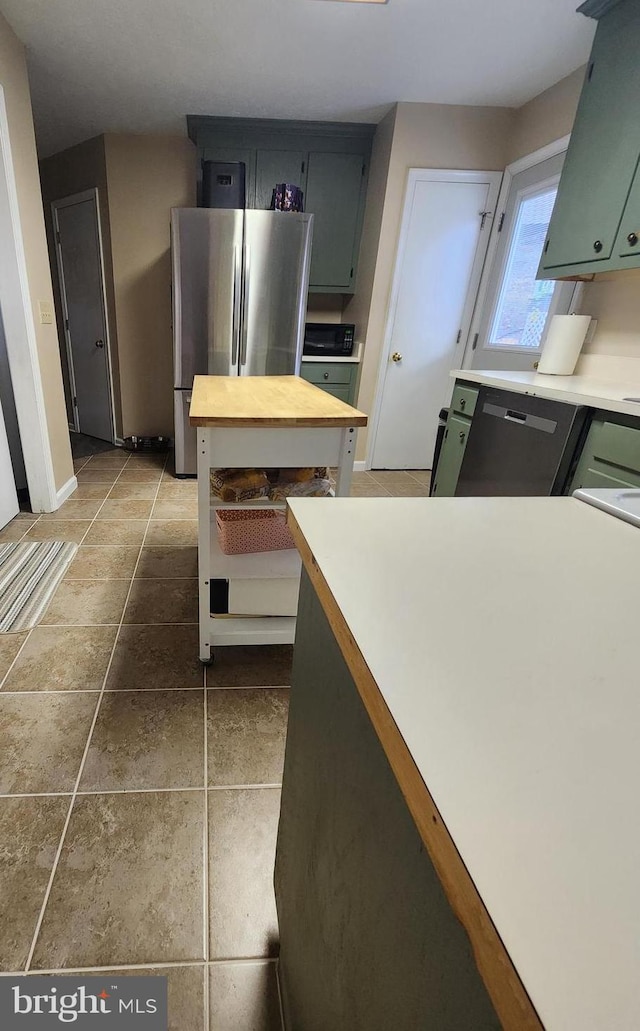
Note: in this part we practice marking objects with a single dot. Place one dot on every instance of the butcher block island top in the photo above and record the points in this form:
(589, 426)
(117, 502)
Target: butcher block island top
(267, 401)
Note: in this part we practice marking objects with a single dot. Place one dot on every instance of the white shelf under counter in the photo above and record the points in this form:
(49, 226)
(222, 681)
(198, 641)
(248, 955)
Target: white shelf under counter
(231, 630)
(255, 422)
(257, 565)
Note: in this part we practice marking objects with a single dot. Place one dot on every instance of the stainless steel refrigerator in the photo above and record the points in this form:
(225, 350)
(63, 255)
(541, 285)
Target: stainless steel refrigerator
(240, 281)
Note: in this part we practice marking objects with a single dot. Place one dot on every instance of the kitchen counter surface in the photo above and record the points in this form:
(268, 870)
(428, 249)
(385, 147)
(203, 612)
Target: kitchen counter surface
(610, 395)
(255, 401)
(497, 638)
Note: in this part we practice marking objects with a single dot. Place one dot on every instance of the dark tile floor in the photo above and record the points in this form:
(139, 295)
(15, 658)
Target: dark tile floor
(139, 795)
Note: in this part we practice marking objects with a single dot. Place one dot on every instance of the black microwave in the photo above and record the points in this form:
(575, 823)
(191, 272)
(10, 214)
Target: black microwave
(329, 339)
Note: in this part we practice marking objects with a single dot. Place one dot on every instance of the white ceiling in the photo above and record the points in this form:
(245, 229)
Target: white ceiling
(142, 65)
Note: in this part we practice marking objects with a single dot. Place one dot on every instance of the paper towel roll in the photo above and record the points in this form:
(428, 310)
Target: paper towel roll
(562, 346)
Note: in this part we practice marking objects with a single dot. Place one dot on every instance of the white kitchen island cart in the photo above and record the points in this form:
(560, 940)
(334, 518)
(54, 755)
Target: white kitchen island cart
(260, 422)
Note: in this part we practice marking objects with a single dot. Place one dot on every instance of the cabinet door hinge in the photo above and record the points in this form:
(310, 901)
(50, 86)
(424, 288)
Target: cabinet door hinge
(590, 72)
(364, 167)
(501, 222)
(351, 274)
(57, 237)
(546, 246)
(66, 323)
(459, 336)
(302, 169)
(75, 402)
(475, 342)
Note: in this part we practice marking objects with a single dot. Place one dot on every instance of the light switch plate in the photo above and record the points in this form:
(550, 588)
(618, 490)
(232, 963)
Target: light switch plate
(46, 313)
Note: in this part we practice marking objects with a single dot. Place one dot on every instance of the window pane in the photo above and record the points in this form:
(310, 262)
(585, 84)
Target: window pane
(523, 304)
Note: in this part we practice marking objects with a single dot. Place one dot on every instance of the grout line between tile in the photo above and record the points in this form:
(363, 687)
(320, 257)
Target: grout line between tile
(280, 1003)
(82, 762)
(17, 655)
(206, 916)
(45, 690)
(162, 965)
(242, 787)
(38, 794)
(76, 625)
(96, 690)
(138, 791)
(113, 966)
(247, 961)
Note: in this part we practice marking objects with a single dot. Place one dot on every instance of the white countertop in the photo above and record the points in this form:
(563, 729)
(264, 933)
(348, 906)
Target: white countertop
(352, 359)
(580, 390)
(502, 634)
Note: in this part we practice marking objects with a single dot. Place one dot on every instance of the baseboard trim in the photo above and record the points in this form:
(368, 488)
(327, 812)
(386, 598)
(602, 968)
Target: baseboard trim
(359, 467)
(65, 492)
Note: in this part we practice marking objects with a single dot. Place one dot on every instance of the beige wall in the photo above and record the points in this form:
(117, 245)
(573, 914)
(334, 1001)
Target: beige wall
(547, 117)
(74, 170)
(423, 136)
(358, 307)
(13, 77)
(147, 176)
(325, 308)
(614, 300)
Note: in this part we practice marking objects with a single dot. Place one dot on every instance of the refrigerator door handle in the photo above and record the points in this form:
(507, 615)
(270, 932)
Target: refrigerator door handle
(237, 298)
(245, 304)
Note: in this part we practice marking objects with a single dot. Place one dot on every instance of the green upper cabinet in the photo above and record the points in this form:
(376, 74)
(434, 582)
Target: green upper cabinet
(334, 196)
(602, 158)
(277, 166)
(604, 148)
(628, 241)
(329, 161)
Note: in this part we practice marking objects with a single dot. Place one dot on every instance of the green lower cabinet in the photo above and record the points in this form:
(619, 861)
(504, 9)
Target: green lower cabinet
(337, 378)
(610, 456)
(451, 455)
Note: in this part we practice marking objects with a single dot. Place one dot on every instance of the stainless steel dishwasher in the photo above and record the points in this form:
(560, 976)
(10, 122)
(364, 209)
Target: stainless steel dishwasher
(519, 445)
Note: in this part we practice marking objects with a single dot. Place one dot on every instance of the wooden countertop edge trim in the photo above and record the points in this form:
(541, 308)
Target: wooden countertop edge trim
(250, 422)
(508, 995)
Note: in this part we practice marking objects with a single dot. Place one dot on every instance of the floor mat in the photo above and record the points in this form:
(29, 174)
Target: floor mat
(29, 574)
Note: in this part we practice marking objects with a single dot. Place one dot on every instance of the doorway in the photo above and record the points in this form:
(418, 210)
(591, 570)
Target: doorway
(81, 277)
(443, 242)
(8, 495)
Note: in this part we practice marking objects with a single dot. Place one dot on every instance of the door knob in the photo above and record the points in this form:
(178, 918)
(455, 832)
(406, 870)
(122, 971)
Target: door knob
(632, 239)
(99, 343)
(396, 357)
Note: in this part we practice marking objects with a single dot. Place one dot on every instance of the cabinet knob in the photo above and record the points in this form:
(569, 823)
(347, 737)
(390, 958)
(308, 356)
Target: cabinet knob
(632, 239)
(396, 357)
(326, 375)
(462, 436)
(462, 404)
(597, 246)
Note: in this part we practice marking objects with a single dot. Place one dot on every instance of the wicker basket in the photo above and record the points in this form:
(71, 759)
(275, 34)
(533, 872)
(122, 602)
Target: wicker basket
(241, 532)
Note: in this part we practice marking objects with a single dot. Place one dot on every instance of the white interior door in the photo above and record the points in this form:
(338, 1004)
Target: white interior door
(82, 290)
(514, 307)
(8, 496)
(443, 242)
